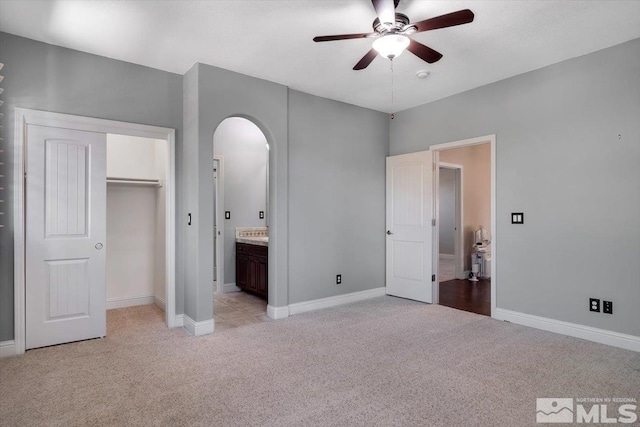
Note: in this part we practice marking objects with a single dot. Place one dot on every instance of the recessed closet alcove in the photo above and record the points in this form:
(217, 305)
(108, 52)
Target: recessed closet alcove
(136, 252)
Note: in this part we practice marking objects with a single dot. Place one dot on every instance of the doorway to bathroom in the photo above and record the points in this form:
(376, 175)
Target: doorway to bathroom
(464, 250)
(241, 215)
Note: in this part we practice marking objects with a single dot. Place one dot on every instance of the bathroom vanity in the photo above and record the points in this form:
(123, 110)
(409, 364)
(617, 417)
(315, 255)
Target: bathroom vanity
(252, 254)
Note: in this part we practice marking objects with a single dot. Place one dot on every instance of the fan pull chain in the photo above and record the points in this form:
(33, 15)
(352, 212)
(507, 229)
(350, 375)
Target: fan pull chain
(392, 100)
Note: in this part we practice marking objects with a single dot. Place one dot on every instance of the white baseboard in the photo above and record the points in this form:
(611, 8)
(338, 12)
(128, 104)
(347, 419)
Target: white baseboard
(179, 321)
(230, 287)
(198, 328)
(317, 304)
(129, 301)
(277, 312)
(602, 336)
(7, 348)
(447, 256)
(162, 304)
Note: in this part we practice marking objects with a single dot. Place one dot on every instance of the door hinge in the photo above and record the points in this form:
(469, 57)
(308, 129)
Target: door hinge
(433, 222)
(433, 277)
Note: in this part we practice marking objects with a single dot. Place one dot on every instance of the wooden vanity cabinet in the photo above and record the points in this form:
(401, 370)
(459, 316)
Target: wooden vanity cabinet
(251, 269)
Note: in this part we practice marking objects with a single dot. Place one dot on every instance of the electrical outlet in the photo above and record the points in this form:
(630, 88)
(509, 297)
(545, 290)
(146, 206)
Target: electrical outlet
(607, 307)
(338, 279)
(594, 305)
(227, 214)
(261, 214)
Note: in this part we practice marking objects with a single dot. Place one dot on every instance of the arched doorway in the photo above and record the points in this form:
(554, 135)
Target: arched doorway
(241, 223)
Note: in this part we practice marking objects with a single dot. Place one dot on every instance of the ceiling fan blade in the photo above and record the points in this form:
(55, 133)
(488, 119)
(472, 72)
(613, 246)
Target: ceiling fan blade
(449, 20)
(424, 52)
(385, 9)
(342, 37)
(366, 60)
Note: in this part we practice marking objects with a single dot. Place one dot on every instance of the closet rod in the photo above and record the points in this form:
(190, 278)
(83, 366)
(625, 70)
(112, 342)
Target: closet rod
(136, 181)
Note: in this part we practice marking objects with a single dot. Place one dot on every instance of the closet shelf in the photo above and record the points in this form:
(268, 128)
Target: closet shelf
(134, 181)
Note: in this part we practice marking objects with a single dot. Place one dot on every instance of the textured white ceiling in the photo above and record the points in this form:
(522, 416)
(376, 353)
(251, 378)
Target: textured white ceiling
(272, 39)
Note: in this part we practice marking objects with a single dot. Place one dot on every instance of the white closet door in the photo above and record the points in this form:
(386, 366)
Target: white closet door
(65, 231)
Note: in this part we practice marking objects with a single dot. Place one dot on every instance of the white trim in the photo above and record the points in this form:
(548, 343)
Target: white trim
(219, 215)
(179, 321)
(129, 301)
(23, 117)
(494, 209)
(448, 165)
(463, 143)
(160, 303)
(7, 348)
(277, 312)
(197, 329)
(170, 232)
(494, 231)
(19, 312)
(302, 307)
(615, 339)
(230, 287)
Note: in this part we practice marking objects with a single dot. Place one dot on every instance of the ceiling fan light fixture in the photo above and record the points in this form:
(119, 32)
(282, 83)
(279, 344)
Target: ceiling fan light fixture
(391, 45)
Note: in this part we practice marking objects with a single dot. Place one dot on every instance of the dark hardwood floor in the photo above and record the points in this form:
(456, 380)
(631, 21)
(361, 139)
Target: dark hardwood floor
(468, 296)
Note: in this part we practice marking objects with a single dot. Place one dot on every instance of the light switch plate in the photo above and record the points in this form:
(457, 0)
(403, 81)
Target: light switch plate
(517, 218)
(227, 214)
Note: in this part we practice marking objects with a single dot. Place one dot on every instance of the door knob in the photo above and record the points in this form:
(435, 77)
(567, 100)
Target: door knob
(389, 232)
(99, 246)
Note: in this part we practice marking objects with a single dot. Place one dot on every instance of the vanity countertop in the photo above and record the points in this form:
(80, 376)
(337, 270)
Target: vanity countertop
(259, 241)
(258, 236)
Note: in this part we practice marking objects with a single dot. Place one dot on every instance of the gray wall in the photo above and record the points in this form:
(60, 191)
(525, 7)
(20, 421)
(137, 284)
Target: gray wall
(243, 148)
(447, 210)
(561, 161)
(212, 95)
(45, 77)
(336, 197)
(189, 193)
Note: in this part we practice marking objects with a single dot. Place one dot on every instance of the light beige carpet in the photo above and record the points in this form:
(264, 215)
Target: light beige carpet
(383, 362)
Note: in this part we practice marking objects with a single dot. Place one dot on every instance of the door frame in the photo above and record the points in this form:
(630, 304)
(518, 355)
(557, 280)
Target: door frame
(24, 117)
(458, 239)
(219, 216)
(436, 148)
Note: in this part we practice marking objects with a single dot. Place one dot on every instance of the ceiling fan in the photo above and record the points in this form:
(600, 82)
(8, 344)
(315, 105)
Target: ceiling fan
(391, 32)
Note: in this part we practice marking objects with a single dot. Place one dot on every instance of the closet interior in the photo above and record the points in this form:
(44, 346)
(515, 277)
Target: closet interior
(136, 252)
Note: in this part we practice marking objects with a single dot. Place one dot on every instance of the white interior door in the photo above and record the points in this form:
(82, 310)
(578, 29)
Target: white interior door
(65, 235)
(409, 229)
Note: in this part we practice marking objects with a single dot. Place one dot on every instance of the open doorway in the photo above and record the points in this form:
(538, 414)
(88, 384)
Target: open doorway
(465, 223)
(136, 228)
(241, 232)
